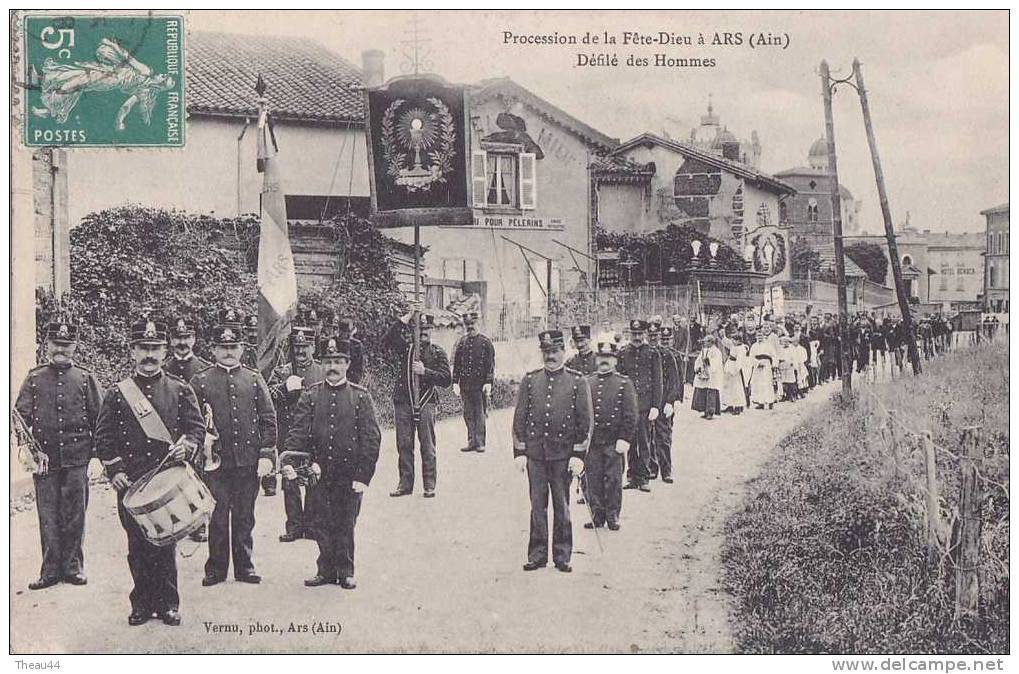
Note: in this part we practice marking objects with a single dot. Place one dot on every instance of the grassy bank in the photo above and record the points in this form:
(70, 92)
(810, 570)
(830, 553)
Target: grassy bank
(829, 553)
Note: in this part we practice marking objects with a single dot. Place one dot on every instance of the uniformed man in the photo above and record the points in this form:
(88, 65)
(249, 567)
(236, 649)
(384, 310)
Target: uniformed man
(672, 395)
(182, 361)
(473, 374)
(286, 384)
(681, 346)
(335, 423)
(643, 365)
(128, 452)
(59, 402)
(249, 357)
(551, 432)
(245, 420)
(614, 401)
(583, 360)
(432, 370)
(344, 329)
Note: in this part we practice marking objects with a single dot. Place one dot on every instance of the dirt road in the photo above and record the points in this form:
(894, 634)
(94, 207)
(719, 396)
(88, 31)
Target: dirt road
(443, 574)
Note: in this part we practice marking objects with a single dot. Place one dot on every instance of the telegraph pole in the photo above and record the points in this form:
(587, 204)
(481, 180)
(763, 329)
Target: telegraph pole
(886, 214)
(836, 204)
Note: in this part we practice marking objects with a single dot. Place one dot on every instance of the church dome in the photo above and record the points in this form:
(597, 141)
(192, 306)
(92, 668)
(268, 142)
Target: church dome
(818, 157)
(724, 136)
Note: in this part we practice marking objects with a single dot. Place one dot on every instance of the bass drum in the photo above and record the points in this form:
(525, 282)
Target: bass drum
(169, 504)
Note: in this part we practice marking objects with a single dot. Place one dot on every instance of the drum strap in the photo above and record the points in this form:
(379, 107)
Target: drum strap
(147, 416)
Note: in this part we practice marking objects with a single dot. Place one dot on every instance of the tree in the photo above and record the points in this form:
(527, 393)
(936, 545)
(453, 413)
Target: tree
(870, 257)
(805, 262)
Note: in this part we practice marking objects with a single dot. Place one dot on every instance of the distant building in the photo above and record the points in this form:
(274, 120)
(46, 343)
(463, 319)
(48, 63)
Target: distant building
(957, 260)
(996, 259)
(808, 213)
(648, 183)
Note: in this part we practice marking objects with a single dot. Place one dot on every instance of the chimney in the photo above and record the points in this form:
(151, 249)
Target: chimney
(730, 151)
(373, 67)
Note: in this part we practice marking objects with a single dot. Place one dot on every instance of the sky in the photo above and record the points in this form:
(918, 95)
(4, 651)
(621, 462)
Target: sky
(937, 84)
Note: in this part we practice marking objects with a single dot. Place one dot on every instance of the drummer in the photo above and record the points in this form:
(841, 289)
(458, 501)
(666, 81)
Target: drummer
(131, 441)
(245, 420)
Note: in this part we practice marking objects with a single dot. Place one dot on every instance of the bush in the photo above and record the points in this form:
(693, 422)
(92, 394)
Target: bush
(829, 554)
(129, 258)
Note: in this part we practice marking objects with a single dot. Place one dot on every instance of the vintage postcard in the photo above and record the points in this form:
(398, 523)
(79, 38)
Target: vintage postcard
(673, 332)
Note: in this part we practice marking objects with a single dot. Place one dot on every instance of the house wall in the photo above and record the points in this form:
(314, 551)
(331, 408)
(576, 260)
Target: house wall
(203, 177)
(959, 275)
(514, 298)
(706, 201)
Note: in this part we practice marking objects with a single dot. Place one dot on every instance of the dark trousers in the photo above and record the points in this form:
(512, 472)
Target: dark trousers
(475, 412)
(638, 459)
(153, 568)
(61, 497)
(604, 472)
(662, 457)
(405, 428)
(336, 509)
(233, 519)
(544, 477)
(298, 508)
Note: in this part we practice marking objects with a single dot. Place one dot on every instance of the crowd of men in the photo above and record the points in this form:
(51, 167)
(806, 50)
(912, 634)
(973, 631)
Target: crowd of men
(606, 412)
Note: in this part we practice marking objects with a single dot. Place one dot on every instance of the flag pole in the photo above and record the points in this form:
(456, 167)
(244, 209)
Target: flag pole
(415, 382)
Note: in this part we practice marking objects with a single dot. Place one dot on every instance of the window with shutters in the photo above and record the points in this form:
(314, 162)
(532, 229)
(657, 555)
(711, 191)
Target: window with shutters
(812, 210)
(504, 180)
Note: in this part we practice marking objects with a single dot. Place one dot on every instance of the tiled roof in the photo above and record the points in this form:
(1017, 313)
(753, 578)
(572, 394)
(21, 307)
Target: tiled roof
(826, 256)
(306, 81)
(750, 173)
(621, 168)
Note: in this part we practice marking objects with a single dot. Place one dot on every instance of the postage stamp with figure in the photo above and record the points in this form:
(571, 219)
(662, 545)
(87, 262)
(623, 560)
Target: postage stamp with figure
(104, 80)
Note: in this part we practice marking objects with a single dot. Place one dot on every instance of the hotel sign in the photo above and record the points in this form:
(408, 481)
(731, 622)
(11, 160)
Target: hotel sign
(484, 220)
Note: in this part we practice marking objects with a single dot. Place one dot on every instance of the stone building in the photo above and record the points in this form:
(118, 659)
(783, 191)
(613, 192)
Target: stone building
(648, 183)
(996, 259)
(808, 213)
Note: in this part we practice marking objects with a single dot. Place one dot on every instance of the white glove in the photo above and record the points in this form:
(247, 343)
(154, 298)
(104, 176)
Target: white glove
(576, 466)
(419, 368)
(264, 467)
(667, 410)
(456, 389)
(622, 446)
(294, 383)
(358, 487)
(652, 414)
(317, 469)
(289, 473)
(521, 463)
(95, 468)
(487, 389)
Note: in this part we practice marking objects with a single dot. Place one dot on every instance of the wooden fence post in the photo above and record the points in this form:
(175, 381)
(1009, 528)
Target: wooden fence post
(967, 545)
(933, 502)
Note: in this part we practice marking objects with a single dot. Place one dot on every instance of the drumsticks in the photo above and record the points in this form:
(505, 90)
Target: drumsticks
(152, 474)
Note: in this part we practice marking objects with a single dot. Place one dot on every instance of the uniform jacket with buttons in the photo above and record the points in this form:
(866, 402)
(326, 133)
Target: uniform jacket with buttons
(614, 401)
(583, 363)
(337, 426)
(474, 362)
(61, 405)
(285, 401)
(670, 375)
(643, 364)
(242, 410)
(185, 368)
(121, 443)
(434, 359)
(552, 419)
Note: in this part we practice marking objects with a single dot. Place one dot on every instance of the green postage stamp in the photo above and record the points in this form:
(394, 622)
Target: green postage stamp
(104, 81)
